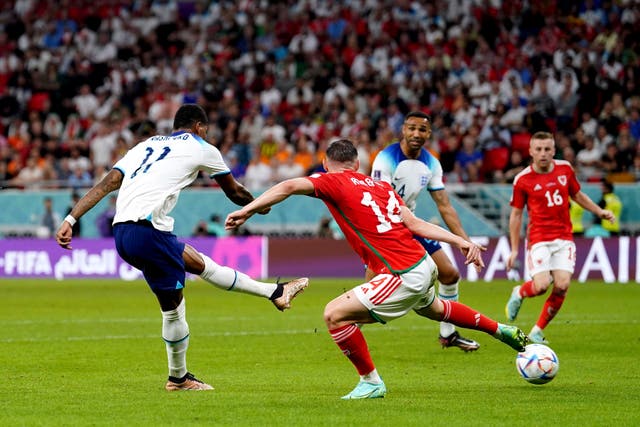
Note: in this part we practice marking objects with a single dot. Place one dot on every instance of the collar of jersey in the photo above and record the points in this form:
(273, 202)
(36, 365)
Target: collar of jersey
(180, 132)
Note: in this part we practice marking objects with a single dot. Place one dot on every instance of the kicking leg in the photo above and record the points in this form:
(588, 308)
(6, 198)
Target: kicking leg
(281, 294)
(466, 317)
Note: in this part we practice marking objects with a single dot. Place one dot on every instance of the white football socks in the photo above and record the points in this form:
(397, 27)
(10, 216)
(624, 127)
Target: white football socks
(449, 293)
(231, 280)
(372, 377)
(175, 332)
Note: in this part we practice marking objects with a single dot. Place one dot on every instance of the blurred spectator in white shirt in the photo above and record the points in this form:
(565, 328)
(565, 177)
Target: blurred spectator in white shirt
(30, 176)
(259, 175)
(288, 169)
(86, 102)
(272, 129)
(103, 144)
(300, 93)
(588, 159)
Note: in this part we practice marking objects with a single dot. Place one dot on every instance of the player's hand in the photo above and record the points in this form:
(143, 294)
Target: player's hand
(64, 234)
(236, 219)
(511, 261)
(608, 215)
(480, 264)
(473, 253)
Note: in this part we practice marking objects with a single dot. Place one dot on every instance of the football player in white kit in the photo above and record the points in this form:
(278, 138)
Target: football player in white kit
(149, 178)
(410, 168)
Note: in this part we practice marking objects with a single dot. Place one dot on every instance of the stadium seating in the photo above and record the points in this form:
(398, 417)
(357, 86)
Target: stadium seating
(495, 159)
(520, 142)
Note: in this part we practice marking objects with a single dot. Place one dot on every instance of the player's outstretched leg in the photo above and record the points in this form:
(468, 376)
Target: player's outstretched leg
(287, 291)
(187, 382)
(281, 294)
(512, 336)
(466, 317)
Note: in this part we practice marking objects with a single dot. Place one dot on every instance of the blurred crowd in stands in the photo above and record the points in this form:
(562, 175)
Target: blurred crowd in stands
(82, 81)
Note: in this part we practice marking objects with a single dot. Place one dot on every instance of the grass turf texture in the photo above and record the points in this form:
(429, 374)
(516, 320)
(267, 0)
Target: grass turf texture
(89, 353)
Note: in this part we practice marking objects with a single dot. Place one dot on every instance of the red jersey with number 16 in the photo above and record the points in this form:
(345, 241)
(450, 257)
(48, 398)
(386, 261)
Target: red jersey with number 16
(368, 214)
(546, 196)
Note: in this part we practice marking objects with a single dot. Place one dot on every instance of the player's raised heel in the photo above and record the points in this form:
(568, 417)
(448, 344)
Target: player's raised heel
(289, 292)
(512, 336)
(537, 338)
(188, 382)
(366, 390)
(513, 305)
(455, 340)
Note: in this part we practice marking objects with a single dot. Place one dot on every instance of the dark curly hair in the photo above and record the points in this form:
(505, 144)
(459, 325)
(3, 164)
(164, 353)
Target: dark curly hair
(188, 115)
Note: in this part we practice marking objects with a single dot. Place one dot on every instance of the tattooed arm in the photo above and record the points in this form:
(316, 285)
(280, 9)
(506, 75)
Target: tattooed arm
(112, 181)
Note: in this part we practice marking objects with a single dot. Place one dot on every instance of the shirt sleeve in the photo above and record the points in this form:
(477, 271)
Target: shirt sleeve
(518, 197)
(212, 161)
(436, 182)
(381, 168)
(574, 185)
(320, 186)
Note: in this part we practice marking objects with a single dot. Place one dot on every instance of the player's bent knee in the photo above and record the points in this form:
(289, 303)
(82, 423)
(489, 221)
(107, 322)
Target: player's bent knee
(330, 318)
(433, 311)
(335, 316)
(194, 261)
(542, 285)
(561, 288)
(447, 271)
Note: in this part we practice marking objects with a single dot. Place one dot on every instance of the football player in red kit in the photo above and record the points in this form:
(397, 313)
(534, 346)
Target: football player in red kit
(544, 188)
(380, 228)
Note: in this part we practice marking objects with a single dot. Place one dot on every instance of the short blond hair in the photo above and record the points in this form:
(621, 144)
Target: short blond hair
(542, 135)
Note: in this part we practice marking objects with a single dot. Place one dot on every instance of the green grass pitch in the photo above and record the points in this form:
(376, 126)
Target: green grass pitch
(89, 353)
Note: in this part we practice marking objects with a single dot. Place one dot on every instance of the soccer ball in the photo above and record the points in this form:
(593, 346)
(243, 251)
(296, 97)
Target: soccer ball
(537, 364)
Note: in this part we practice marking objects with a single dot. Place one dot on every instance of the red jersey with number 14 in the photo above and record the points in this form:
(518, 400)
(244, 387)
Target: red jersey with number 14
(368, 214)
(546, 196)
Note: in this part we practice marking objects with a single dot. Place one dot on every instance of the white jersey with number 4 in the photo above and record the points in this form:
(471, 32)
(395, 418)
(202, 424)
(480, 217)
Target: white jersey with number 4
(407, 176)
(156, 170)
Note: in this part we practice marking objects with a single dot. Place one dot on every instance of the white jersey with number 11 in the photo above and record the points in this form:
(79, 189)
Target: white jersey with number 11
(156, 170)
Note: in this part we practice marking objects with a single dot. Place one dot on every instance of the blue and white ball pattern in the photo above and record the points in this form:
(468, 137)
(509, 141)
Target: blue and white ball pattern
(537, 364)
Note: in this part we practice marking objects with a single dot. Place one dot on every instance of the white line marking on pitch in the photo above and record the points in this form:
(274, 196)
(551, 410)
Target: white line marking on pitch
(320, 330)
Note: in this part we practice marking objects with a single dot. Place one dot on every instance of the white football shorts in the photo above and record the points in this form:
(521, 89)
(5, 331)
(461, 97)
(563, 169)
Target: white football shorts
(549, 256)
(389, 296)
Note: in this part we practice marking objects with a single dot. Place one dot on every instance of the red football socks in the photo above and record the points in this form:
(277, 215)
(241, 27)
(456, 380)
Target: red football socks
(466, 317)
(527, 290)
(550, 309)
(352, 343)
